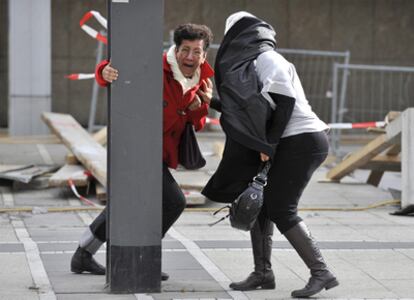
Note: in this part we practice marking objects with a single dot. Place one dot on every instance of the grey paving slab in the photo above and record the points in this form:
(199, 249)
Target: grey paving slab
(381, 264)
(191, 295)
(63, 281)
(403, 288)
(407, 252)
(53, 220)
(370, 251)
(19, 154)
(56, 234)
(94, 297)
(7, 234)
(44, 197)
(69, 246)
(322, 245)
(55, 151)
(15, 277)
(12, 247)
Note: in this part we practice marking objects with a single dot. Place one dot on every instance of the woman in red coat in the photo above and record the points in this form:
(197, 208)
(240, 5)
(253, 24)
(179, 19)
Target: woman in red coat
(187, 92)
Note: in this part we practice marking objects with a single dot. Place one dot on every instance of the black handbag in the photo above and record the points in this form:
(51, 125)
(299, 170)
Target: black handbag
(189, 154)
(244, 211)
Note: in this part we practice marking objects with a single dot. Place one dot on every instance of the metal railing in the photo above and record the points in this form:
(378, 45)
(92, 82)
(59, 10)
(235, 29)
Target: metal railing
(315, 70)
(369, 92)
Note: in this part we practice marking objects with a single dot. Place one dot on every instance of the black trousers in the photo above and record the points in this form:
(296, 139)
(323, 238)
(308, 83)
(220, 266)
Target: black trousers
(297, 157)
(173, 204)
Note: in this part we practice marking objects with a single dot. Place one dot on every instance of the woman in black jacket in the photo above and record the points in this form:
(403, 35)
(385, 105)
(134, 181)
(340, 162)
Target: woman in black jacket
(265, 115)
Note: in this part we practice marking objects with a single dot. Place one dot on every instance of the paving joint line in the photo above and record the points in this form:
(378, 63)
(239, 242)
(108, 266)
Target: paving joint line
(37, 269)
(207, 264)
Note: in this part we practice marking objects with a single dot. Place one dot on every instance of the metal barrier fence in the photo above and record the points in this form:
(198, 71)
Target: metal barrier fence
(315, 70)
(371, 91)
(368, 93)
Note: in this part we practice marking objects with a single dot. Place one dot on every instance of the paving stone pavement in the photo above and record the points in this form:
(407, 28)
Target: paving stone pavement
(370, 251)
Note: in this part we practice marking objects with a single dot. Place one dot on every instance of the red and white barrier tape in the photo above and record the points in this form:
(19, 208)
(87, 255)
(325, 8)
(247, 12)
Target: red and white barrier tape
(379, 124)
(79, 196)
(89, 30)
(80, 76)
(356, 125)
(212, 121)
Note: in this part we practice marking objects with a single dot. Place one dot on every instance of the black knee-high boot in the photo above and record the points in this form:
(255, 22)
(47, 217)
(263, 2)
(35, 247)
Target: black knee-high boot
(321, 278)
(262, 277)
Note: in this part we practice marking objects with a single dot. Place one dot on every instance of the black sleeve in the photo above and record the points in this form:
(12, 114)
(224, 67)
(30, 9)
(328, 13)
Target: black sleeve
(215, 104)
(280, 117)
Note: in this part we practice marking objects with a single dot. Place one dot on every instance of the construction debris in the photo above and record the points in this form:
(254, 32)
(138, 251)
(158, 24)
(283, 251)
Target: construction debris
(25, 174)
(89, 152)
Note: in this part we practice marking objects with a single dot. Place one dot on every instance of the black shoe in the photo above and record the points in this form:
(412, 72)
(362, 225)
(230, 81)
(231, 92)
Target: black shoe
(316, 284)
(255, 281)
(82, 261)
(164, 276)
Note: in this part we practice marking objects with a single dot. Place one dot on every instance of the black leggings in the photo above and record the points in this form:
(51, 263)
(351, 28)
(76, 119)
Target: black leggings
(173, 204)
(297, 157)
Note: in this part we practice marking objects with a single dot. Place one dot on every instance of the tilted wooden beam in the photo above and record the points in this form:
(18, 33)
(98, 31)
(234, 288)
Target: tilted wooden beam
(365, 154)
(99, 136)
(90, 153)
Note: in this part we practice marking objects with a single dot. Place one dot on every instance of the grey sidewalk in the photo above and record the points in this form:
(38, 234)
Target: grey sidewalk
(371, 252)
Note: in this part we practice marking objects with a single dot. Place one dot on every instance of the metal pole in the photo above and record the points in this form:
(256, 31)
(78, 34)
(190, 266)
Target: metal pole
(334, 109)
(95, 89)
(135, 146)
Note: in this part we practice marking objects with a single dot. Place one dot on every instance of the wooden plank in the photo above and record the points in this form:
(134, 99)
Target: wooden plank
(383, 163)
(90, 153)
(74, 172)
(378, 171)
(375, 177)
(100, 137)
(71, 159)
(43, 139)
(392, 115)
(362, 156)
(394, 150)
(100, 192)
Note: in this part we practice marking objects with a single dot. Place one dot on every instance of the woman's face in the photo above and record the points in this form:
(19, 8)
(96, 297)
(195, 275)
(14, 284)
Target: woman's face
(190, 55)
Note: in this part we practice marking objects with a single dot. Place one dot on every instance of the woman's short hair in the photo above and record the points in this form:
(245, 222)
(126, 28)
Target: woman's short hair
(193, 32)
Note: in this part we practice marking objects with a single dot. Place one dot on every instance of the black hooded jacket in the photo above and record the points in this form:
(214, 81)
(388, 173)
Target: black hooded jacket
(250, 124)
(245, 112)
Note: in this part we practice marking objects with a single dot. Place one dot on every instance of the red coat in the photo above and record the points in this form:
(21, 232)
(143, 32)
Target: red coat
(175, 115)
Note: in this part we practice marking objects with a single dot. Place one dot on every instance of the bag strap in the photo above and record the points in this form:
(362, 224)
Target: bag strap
(261, 177)
(223, 218)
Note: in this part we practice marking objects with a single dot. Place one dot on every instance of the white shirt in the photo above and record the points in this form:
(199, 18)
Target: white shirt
(279, 76)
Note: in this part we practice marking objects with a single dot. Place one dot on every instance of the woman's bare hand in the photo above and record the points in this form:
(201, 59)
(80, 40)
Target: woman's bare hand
(206, 91)
(109, 74)
(264, 157)
(195, 104)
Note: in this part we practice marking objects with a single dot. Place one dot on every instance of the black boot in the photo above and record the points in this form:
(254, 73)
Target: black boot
(83, 261)
(263, 276)
(321, 278)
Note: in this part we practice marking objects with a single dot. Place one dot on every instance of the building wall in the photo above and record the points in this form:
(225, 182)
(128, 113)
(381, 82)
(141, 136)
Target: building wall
(375, 31)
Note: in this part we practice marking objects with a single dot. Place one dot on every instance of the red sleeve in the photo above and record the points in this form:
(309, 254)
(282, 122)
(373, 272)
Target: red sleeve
(98, 73)
(198, 116)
